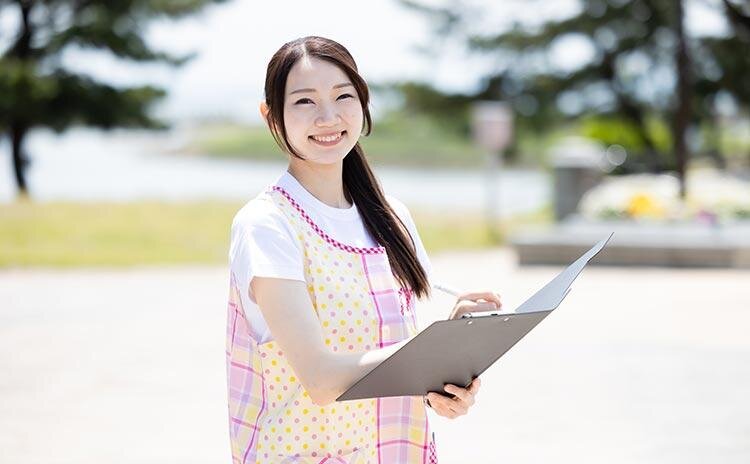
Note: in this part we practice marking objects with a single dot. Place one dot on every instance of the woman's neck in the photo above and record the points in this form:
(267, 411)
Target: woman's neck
(323, 181)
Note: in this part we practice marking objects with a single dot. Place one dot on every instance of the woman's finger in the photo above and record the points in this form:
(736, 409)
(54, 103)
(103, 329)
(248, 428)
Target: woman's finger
(443, 403)
(487, 296)
(462, 307)
(446, 412)
(462, 394)
(468, 306)
(457, 405)
(440, 401)
(450, 414)
(474, 386)
(484, 307)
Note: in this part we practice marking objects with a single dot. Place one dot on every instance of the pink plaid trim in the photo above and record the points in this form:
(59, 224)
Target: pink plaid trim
(321, 232)
(244, 383)
(377, 307)
(432, 459)
(331, 459)
(393, 325)
(395, 421)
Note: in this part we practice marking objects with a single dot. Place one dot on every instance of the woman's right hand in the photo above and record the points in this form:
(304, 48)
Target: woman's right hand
(474, 302)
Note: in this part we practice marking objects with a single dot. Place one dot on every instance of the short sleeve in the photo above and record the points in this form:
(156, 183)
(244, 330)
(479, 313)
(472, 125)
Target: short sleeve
(263, 244)
(403, 213)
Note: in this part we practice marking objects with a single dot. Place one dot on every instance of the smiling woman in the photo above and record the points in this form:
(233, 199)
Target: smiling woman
(325, 271)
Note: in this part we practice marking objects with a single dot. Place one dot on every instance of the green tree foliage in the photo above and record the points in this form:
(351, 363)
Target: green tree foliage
(36, 89)
(645, 72)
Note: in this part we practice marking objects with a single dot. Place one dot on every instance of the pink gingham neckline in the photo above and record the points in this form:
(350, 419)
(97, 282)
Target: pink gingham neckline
(330, 240)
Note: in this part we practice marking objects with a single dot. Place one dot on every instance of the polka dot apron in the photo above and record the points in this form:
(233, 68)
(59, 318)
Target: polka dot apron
(360, 308)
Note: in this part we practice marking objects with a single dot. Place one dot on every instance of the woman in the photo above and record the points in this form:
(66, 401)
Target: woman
(324, 271)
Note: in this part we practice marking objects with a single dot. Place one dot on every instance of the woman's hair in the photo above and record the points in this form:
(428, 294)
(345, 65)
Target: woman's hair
(360, 184)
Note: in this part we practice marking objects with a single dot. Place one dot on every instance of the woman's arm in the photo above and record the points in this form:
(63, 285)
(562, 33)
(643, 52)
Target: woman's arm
(288, 311)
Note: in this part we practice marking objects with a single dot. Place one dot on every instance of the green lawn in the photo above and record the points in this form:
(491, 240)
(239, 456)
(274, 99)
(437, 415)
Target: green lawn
(120, 234)
(150, 233)
(399, 140)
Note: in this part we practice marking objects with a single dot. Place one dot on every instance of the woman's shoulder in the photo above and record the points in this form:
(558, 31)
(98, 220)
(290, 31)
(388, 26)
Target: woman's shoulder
(399, 207)
(259, 212)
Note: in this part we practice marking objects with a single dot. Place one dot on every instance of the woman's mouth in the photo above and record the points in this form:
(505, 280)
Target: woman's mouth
(327, 140)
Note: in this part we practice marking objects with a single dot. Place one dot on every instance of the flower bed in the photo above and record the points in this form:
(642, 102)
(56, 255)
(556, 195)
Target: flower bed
(712, 197)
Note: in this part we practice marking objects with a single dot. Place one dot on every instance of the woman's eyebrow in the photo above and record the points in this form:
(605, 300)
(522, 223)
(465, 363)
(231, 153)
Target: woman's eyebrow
(337, 86)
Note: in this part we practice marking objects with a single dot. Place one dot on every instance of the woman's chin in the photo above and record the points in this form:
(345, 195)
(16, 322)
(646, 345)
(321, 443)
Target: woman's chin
(327, 157)
(326, 160)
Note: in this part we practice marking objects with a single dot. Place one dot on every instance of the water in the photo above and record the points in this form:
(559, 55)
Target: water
(87, 165)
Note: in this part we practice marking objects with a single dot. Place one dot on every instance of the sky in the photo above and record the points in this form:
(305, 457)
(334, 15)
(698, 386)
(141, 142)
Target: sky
(235, 40)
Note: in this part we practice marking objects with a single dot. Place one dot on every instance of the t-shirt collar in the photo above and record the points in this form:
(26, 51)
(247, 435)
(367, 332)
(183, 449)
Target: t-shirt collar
(289, 183)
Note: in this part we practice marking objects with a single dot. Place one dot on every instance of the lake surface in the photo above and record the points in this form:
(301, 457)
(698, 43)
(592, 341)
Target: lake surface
(87, 165)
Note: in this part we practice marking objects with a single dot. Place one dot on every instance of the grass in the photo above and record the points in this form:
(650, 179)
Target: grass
(471, 231)
(156, 233)
(398, 140)
(114, 234)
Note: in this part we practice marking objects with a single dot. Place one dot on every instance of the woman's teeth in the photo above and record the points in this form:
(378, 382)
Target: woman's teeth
(328, 139)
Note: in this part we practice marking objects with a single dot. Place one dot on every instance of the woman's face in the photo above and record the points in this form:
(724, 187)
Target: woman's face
(322, 111)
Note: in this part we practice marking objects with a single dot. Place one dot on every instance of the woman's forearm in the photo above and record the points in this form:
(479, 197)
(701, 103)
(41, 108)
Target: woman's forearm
(340, 371)
(287, 309)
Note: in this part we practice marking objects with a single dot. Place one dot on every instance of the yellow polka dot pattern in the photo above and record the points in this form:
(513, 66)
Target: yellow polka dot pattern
(353, 320)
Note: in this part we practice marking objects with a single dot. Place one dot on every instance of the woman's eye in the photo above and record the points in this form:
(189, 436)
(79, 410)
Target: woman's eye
(303, 101)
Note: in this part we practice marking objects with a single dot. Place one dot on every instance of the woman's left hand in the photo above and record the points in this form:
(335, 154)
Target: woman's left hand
(458, 404)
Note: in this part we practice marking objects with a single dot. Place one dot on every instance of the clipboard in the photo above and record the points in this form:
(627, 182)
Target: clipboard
(458, 350)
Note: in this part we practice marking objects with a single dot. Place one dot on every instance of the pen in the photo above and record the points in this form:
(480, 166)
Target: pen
(447, 289)
(451, 291)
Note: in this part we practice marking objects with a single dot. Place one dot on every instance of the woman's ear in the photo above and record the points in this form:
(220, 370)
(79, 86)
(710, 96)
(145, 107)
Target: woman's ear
(264, 110)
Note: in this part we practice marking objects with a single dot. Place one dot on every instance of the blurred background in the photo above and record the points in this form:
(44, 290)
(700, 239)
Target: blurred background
(517, 132)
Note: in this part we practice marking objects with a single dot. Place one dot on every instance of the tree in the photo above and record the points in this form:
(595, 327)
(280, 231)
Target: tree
(36, 90)
(644, 66)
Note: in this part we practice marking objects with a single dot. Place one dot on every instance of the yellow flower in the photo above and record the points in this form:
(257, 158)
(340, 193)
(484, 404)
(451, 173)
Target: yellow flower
(643, 205)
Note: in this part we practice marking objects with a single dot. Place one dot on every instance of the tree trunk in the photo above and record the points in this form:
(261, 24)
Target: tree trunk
(635, 115)
(17, 134)
(21, 50)
(714, 151)
(653, 157)
(683, 108)
(633, 112)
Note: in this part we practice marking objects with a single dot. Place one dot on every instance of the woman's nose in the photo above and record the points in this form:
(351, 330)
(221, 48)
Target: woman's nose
(328, 116)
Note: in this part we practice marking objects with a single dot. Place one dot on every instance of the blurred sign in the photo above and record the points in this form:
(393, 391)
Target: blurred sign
(492, 125)
(492, 130)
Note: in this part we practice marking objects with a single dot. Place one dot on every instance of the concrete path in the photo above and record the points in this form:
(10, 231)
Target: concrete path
(638, 365)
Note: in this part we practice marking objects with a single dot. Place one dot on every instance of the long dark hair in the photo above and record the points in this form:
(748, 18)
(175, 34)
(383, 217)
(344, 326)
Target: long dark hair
(360, 184)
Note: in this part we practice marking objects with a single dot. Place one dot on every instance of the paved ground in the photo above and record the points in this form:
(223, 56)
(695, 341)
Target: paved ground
(638, 365)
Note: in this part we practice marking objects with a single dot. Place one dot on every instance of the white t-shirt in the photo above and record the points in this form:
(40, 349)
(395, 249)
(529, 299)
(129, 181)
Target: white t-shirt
(264, 244)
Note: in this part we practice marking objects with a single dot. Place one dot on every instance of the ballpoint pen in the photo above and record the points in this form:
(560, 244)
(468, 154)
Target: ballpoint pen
(447, 289)
(451, 291)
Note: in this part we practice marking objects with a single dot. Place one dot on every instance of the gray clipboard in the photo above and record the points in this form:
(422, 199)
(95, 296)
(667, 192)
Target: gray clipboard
(457, 351)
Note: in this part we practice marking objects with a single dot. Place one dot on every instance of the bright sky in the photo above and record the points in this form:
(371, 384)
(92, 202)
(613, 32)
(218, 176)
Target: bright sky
(235, 40)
